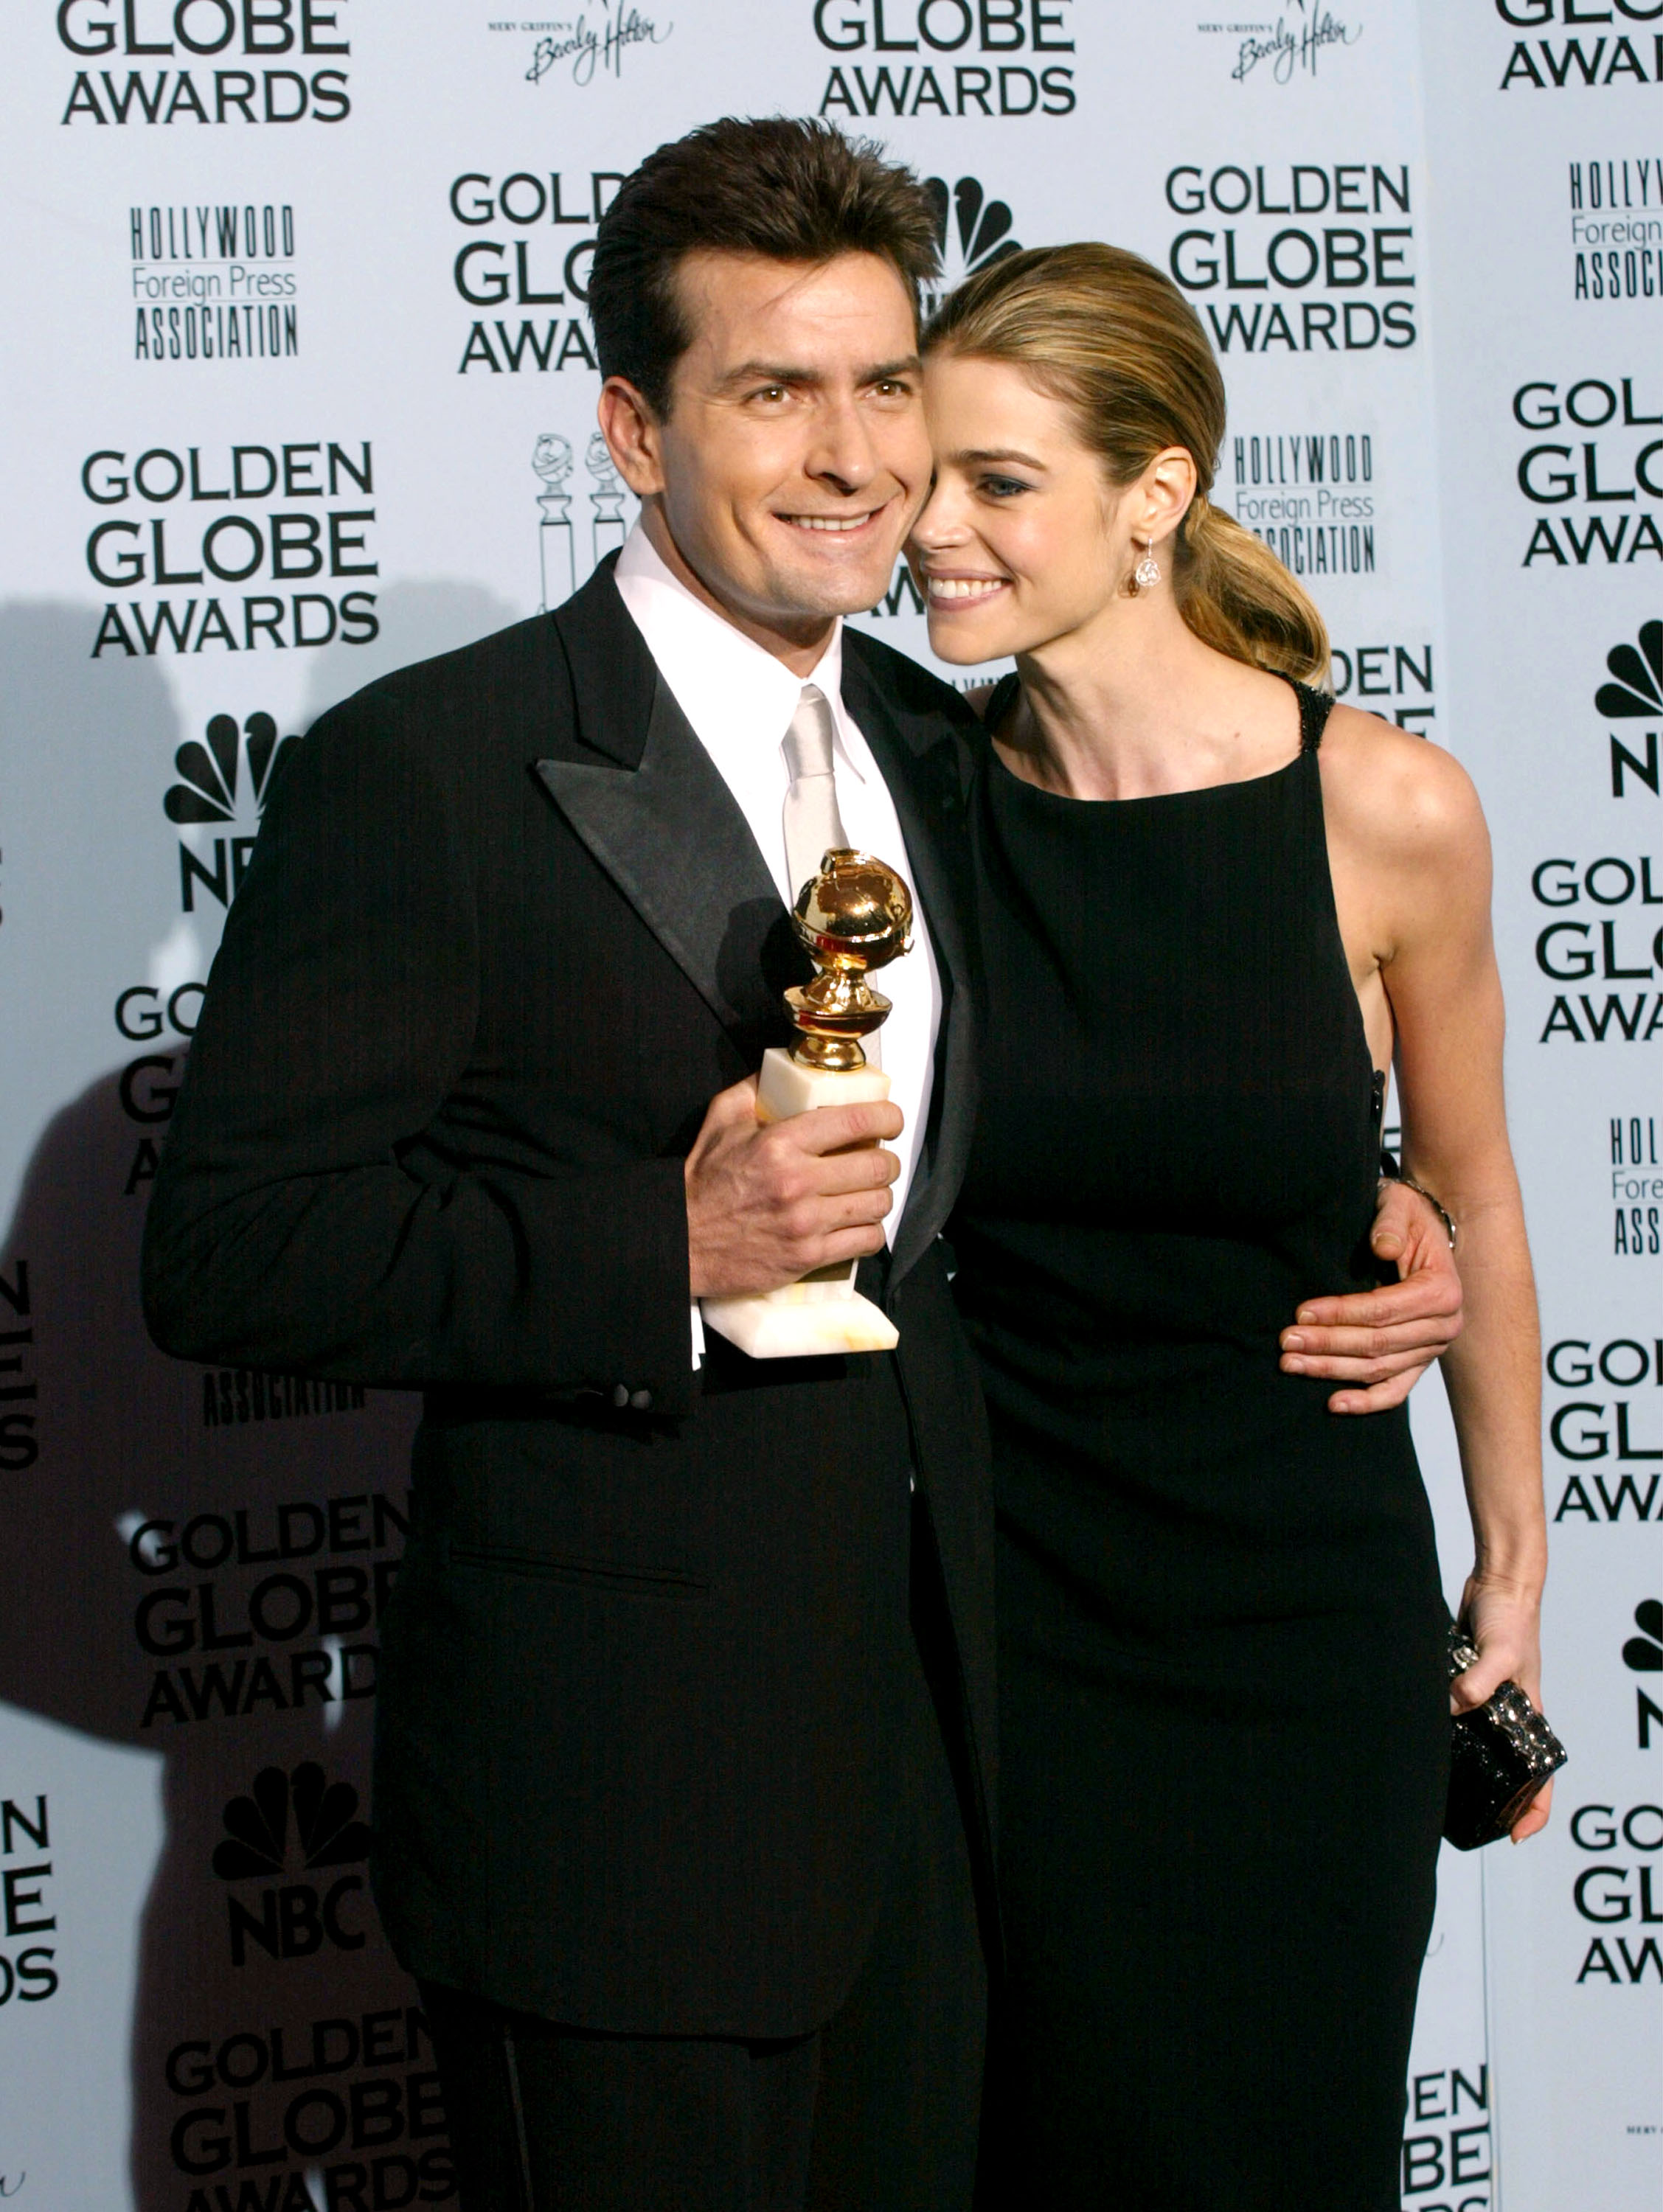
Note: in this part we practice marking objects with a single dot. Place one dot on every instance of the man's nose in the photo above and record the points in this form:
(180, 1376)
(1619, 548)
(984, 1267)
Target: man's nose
(843, 452)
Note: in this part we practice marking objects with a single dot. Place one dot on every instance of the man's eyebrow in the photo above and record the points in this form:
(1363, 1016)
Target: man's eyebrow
(775, 371)
(769, 371)
(985, 456)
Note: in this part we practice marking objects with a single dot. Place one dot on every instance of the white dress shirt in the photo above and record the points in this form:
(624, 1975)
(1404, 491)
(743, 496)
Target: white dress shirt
(740, 701)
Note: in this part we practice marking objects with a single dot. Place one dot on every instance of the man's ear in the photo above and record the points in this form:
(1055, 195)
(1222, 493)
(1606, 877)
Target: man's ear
(634, 436)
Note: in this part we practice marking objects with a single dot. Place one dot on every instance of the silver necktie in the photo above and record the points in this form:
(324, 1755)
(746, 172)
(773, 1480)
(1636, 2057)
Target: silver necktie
(813, 825)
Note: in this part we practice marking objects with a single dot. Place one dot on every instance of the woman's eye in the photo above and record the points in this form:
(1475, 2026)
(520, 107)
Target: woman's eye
(1003, 487)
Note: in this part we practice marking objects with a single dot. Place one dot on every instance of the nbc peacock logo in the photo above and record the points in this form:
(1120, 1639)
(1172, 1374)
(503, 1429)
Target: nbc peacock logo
(1635, 694)
(971, 231)
(1639, 686)
(1643, 1654)
(223, 778)
(208, 788)
(294, 1919)
(326, 1823)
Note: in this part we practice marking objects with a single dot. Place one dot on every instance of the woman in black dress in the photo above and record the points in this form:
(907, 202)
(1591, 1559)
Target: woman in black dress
(1213, 907)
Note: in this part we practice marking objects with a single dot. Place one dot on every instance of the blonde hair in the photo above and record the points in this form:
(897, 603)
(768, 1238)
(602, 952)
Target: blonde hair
(1100, 330)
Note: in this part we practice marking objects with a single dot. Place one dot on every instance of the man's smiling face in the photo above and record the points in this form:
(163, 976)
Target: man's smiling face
(793, 456)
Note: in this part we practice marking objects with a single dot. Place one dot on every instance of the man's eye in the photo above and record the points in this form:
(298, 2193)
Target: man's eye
(769, 391)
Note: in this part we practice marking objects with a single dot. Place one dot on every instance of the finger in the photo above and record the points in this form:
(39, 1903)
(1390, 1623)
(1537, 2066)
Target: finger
(1359, 1373)
(1398, 1375)
(1401, 1374)
(1392, 1234)
(1423, 1229)
(1535, 1816)
(1380, 1398)
(831, 1128)
(1365, 1379)
(1358, 1370)
(1425, 1296)
(1419, 1340)
(1479, 1684)
(737, 1102)
(806, 1224)
(845, 1244)
(852, 1208)
(868, 1167)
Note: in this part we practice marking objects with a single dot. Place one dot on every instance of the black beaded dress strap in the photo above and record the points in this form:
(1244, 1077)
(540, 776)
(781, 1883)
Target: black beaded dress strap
(1315, 707)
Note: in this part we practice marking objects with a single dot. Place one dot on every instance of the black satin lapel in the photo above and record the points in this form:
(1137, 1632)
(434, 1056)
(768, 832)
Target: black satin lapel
(613, 676)
(927, 788)
(671, 835)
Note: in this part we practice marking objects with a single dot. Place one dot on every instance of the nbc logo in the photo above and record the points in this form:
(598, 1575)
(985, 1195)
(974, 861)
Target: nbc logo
(1636, 693)
(294, 1919)
(1643, 1655)
(213, 777)
(971, 231)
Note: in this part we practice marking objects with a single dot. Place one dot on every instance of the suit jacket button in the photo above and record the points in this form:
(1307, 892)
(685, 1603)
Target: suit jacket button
(641, 1400)
(621, 1395)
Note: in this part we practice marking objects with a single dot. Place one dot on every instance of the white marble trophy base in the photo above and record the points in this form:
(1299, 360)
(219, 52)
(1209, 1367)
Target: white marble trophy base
(824, 1313)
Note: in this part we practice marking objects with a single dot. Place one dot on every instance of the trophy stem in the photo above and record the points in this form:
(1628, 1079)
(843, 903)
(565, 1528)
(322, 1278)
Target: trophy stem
(839, 1055)
(831, 1016)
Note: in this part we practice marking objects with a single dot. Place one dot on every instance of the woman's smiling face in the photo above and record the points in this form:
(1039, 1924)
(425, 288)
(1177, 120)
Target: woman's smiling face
(1021, 541)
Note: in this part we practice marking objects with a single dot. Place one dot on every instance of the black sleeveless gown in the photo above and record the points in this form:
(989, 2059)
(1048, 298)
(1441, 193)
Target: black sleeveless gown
(1224, 1720)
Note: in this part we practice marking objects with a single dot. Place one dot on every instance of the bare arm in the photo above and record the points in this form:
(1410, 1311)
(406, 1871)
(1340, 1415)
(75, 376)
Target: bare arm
(1378, 1344)
(1412, 851)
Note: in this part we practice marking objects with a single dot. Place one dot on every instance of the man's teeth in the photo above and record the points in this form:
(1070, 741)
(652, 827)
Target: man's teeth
(829, 521)
(965, 587)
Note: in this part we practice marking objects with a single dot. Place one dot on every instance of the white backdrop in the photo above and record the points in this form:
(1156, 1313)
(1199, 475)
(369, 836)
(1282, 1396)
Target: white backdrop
(299, 387)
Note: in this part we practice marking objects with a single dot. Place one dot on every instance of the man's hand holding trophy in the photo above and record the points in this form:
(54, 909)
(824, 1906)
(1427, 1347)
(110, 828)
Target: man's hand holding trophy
(853, 916)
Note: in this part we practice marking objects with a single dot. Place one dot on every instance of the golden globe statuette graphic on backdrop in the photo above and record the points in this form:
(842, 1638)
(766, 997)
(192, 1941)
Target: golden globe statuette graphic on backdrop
(557, 538)
(551, 459)
(853, 916)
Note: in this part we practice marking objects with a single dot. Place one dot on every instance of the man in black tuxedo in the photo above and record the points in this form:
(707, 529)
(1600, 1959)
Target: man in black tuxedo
(685, 1743)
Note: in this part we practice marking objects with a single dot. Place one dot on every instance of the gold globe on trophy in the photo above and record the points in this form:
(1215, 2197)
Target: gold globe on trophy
(855, 915)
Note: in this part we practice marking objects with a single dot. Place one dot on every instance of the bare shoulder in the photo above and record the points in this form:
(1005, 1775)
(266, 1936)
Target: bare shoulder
(1401, 799)
(977, 696)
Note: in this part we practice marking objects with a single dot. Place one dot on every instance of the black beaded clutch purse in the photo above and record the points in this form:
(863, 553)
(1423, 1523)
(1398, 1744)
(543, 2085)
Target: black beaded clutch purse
(1500, 1755)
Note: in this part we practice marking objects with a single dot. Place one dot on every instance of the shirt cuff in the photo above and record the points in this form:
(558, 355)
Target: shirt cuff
(698, 1336)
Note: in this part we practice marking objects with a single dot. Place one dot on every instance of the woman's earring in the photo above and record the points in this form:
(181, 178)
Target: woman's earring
(1148, 571)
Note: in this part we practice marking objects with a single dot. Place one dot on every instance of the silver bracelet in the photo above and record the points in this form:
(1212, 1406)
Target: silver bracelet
(1434, 1202)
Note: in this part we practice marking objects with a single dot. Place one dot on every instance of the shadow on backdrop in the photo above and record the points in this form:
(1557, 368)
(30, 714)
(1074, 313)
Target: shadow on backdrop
(196, 1560)
(87, 880)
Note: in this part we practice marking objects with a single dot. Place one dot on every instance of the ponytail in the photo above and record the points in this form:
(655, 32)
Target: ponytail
(1238, 598)
(1118, 343)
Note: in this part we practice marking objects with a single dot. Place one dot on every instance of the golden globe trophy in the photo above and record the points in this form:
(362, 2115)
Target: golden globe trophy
(853, 916)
